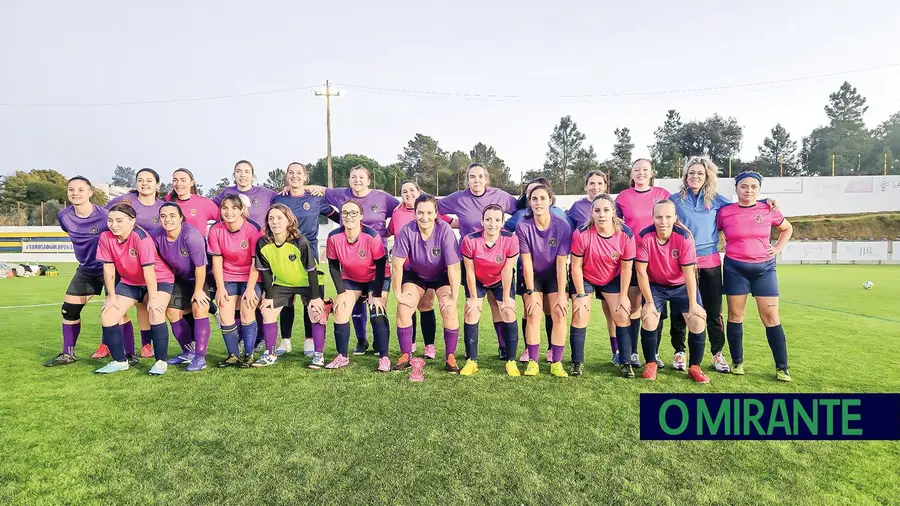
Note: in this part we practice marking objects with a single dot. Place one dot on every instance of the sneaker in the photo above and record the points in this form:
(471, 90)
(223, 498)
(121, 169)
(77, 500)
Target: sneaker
(719, 363)
(615, 358)
(524, 357)
(635, 361)
(678, 362)
(556, 369)
(659, 363)
(418, 370)
(429, 352)
(284, 347)
(265, 360)
(512, 369)
(361, 348)
(533, 369)
(338, 362)
(147, 351)
(577, 369)
(246, 361)
(113, 367)
(470, 369)
(549, 356)
(650, 371)
(159, 368)
(415, 348)
(738, 369)
(501, 354)
(61, 359)
(309, 347)
(184, 357)
(384, 364)
(402, 363)
(198, 363)
(627, 371)
(450, 365)
(318, 361)
(133, 360)
(230, 361)
(697, 374)
(102, 352)
(783, 375)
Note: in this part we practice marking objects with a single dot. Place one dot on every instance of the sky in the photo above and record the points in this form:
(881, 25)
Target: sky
(90, 85)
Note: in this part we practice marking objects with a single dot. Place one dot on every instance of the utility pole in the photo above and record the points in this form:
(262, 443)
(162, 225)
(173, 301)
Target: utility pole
(327, 93)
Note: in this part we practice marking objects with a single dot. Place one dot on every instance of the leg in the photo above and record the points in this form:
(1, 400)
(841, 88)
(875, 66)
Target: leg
(768, 313)
(202, 332)
(428, 319)
(611, 329)
(451, 329)
(622, 320)
(249, 328)
(634, 295)
(359, 325)
(71, 321)
(382, 330)
(413, 293)
(270, 327)
(159, 333)
(344, 306)
(181, 330)
(112, 331)
(229, 326)
(580, 320)
(735, 328)
(471, 318)
(496, 318)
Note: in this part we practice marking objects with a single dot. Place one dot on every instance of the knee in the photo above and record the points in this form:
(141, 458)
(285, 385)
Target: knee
(770, 318)
(535, 318)
(450, 315)
(71, 312)
(696, 324)
(404, 316)
(650, 322)
(735, 315)
(621, 318)
(426, 304)
(473, 317)
(173, 315)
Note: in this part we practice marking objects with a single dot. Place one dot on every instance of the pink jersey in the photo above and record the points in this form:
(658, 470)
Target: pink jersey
(748, 230)
(636, 207)
(237, 249)
(131, 256)
(357, 258)
(709, 261)
(403, 215)
(602, 256)
(664, 261)
(198, 211)
(489, 260)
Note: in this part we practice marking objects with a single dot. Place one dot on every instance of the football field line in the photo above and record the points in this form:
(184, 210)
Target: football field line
(36, 305)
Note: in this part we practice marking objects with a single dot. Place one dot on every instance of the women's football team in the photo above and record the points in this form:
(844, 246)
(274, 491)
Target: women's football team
(647, 255)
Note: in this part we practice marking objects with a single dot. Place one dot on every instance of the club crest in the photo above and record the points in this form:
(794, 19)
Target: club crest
(374, 208)
(675, 253)
(132, 253)
(155, 219)
(758, 218)
(244, 244)
(614, 255)
(306, 206)
(361, 253)
(254, 202)
(436, 252)
(94, 230)
(193, 212)
(553, 242)
(185, 252)
(292, 257)
(498, 259)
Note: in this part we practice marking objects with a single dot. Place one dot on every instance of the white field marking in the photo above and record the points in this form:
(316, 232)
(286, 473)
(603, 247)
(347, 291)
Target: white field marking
(36, 305)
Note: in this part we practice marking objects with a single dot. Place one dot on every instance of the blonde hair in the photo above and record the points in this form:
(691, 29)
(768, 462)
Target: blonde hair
(710, 185)
(616, 221)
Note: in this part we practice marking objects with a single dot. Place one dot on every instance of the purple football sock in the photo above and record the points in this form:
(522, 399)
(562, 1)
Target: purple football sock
(181, 332)
(201, 335)
(404, 336)
(557, 352)
(270, 336)
(614, 344)
(318, 335)
(533, 351)
(146, 338)
(451, 339)
(70, 337)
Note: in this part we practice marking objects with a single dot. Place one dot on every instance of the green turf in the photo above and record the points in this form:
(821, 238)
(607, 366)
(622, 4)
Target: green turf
(290, 435)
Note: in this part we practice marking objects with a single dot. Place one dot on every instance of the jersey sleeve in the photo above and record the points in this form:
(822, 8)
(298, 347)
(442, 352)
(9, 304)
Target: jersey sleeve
(115, 201)
(260, 260)
(376, 248)
(146, 251)
(212, 210)
(450, 247)
(642, 250)
(104, 251)
(719, 219)
(688, 254)
(565, 242)
(390, 202)
(401, 245)
(523, 240)
(619, 212)
(720, 201)
(466, 248)
(776, 216)
(196, 247)
(308, 256)
(335, 196)
(629, 250)
(214, 246)
(325, 208)
(512, 246)
(447, 205)
(446, 219)
(253, 239)
(577, 244)
(217, 200)
(59, 220)
(330, 248)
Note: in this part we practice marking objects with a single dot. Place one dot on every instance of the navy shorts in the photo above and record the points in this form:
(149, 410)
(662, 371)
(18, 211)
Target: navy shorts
(598, 290)
(741, 278)
(84, 284)
(412, 277)
(239, 287)
(496, 289)
(284, 295)
(367, 288)
(677, 296)
(138, 293)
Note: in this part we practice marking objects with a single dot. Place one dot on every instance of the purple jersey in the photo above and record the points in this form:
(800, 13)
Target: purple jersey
(184, 254)
(85, 234)
(427, 258)
(377, 206)
(468, 207)
(544, 245)
(147, 216)
(580, 212)
(260, 200)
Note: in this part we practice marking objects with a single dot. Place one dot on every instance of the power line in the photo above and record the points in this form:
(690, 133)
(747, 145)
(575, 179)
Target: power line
(164, 101)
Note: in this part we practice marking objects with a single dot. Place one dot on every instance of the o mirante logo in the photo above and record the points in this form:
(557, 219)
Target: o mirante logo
(132, 252)
(244, 244)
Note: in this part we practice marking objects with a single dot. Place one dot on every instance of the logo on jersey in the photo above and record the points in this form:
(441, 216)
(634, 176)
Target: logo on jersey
(553, 242)
(185, 252)
(675, 253)
(306, 206)
(436, 252)
(614, 255)
(498, 259)
(244, 244)
(155, 219)
(94, 230)
(362, 253)
(132, 253)
(374, 208)
(193, 212)
(758, 218)
(292, 257)
(254, 202)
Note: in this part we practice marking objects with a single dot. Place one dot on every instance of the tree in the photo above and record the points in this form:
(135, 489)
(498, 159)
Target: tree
(887, 142)
(223, 183)
(845, 143)
(459, 161)
(100, 197)
(585, 161)
(562, 150)
(715, 137)
(165, 188)
(496, 167)
(341, 165)
(846, 108)
(34, 187)
(426, 162)
(276, 180)
(665, 152)
(776, 151)
(123, 176)
(621, 155)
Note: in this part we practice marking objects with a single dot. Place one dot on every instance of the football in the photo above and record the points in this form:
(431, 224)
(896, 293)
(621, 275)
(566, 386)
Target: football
(868, 285)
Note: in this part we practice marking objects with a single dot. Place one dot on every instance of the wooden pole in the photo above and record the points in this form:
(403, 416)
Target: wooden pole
(885, 164)
(729, 167)
(328, 94)
(832, 164)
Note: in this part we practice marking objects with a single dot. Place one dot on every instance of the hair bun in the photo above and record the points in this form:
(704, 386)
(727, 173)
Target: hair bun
(244, 200)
